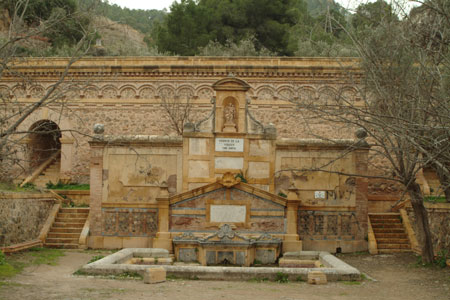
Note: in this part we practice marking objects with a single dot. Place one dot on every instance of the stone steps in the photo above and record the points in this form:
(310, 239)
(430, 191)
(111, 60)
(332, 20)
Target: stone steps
(65, 231)
(51, 173)
(389, 233)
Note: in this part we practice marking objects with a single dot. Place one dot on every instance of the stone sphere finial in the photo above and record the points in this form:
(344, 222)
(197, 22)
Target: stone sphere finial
(99, 128)
(361, 133)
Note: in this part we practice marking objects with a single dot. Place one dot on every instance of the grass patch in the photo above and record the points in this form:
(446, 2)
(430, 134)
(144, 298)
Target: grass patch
(95, 258)
(435, 199)
(10, 187)
(45, 256)
(7, 270)
(69, 186)
(281, 277)
(15, 263)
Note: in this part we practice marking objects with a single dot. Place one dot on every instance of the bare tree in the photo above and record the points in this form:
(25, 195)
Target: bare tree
(404, 104)
(13, 111)
(177, 106)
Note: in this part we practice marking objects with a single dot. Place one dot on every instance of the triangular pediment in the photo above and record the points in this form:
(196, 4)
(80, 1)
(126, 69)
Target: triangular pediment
(244, 188)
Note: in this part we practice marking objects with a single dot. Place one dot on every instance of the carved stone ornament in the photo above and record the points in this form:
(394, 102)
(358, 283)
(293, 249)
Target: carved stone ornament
(229, 179)
(187, 236)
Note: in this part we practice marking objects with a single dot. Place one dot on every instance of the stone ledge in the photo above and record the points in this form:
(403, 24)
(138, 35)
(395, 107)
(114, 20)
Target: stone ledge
(334, 270)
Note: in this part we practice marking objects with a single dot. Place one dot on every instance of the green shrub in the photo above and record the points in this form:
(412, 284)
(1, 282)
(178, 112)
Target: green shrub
(441, 259)
(281, 277)
(95, 258)
(2, 258)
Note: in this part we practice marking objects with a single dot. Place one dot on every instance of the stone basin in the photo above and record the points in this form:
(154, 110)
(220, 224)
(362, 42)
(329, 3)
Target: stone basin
(333, 268)
(227, 247)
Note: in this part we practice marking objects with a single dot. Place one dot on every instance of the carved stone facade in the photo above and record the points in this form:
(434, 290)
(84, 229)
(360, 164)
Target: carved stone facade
(229, 168)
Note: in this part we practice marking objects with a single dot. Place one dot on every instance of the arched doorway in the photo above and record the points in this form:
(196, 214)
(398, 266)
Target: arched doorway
(44, 141)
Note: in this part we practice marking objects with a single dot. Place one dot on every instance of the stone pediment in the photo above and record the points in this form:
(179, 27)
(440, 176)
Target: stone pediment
(232, 183)
(231, 84)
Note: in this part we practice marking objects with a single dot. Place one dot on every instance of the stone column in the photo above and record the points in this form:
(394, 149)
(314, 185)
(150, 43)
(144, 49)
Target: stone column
(292, 242)
(163, 239)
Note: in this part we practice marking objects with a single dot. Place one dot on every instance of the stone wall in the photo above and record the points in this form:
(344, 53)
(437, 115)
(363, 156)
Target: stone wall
(22, 216)
(439, 218)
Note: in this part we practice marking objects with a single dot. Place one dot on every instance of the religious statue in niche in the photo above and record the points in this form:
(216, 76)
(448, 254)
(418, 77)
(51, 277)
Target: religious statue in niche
(229, 114)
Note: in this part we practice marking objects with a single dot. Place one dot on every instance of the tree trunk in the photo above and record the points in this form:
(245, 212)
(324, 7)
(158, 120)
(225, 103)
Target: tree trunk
(422, 222)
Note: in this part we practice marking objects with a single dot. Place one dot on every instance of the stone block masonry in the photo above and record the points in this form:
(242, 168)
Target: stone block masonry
(155, 275)
(22, 216)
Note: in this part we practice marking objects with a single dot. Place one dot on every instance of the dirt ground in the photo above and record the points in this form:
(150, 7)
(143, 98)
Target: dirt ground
(394, 277)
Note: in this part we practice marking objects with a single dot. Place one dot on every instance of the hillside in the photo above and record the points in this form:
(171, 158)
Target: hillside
(120, 39)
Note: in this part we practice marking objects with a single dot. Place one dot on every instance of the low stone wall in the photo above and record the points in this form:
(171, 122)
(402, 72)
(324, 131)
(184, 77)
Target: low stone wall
(439, 218)
(78, 197)
(22, 216)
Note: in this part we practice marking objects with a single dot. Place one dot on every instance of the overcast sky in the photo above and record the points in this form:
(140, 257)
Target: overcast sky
(160, 4)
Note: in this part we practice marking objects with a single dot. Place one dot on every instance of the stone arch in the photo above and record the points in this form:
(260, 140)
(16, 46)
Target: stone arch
(286, 92)
(306, 94)
(348, 94)
(37, 91)
(265, 92)
(204, 92)
(44, 141)
(327, 95)
(4, 91)
(109, 92)
(66, 140)
(91, 92)
(128, 92)
(166, 91)
(19, 91)
(146, 92)
(185, 91)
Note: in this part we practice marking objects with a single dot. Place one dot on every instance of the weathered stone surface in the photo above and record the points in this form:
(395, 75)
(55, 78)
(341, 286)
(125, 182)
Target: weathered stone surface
(265, 256)
(236, 163)
(240, 258)
(227, 213)
(210, 257)
(439, 220)
(187, 255)
(155, 275)
(317, 277)
(21, 219)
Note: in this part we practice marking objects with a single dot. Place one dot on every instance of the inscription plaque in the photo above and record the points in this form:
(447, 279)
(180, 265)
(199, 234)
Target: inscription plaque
(228, 213)
(229, 145)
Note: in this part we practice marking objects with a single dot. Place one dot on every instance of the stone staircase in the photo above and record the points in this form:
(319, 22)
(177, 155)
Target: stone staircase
(51, 173)
(389, 233)
(67, 227)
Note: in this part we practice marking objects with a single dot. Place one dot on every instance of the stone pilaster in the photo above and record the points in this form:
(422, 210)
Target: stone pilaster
(163, 239)
(292, 242)
(96, 187)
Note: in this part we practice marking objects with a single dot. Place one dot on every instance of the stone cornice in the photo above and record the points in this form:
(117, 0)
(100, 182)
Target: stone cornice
(145, 67)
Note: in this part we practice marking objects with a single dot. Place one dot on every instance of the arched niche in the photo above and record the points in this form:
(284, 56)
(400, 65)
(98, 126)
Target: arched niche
(230, 115)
